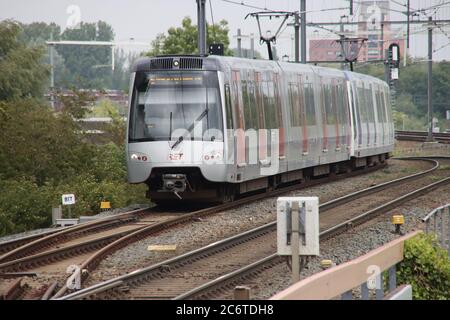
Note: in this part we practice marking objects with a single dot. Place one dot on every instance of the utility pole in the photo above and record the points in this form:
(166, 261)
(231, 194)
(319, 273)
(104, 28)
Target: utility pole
(297, 36)
(342, 37)
(430, 80)
(52, 74)
(252, 46)
(239, 43)
(201, 24)
(303, 29)
(382, 40)
(408, 13)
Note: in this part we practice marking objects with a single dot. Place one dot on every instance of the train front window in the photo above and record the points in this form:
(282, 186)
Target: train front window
(165, 102)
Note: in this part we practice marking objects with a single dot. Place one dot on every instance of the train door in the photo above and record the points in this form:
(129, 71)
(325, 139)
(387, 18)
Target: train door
(380, 114)
(238, 120)
(250, 116)
(362, 110)
(303, 116)
(294, 122)
(312, 110)
(323, 105)
(336, 112)
(262, 132)
(346, 133)
(279, 116)
(371, 115)
(229, 132)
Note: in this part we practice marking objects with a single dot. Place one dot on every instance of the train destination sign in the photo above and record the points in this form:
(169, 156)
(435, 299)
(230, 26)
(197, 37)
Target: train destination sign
(170, 80)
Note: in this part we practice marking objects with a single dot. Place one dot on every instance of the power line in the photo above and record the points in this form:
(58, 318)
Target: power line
(212, 20)
(242, 3)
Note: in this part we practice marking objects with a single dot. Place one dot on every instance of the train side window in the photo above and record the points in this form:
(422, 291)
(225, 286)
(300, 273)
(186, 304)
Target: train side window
(341, 104)
(246, 106)
(277, 102)
(382, 106)
(237, 108)
(259, 100)
(252, 104)
(301, 101)
(294, 104)
(362, 106)
(369, 101)
(310, 105)
(269, 105)
(380, 112)
(228, 108)
(329, 108)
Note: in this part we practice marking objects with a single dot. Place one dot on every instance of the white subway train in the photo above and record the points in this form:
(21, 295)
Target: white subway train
(212, 128)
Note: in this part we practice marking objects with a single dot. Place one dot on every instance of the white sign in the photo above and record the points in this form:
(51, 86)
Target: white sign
(394, 74)
(68, 199)
(448, 114)
(308, 226)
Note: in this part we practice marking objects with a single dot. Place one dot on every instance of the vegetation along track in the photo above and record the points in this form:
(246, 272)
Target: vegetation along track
(217, 265)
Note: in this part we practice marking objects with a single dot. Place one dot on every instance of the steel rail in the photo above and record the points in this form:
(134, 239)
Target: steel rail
(12, 244)
(422, 136)
(233, 278)
(50, 256)
(71, 232)
(91, 263)
(157, 269)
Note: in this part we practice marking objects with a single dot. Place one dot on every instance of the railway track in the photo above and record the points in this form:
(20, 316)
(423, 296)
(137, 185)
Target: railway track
(422, 136)
(76, 241)
(10, 245)
(215, 266)
(93, 261)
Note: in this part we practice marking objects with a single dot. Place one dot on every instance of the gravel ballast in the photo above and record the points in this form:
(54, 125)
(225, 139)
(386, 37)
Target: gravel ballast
(234, 221)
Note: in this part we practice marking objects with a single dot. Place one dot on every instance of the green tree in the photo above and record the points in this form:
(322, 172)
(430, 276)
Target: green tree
(22, 72)
(37, 33)
(183, 40)
(76, 104)
(87, 66)
(34, 142)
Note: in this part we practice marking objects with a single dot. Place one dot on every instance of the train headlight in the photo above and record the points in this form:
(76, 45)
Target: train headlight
(139, 157)
(212, 156)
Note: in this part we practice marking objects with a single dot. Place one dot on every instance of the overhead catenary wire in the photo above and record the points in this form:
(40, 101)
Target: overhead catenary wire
(212, 21)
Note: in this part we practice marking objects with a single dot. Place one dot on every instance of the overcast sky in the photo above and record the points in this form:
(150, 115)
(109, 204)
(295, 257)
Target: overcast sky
(144, 19)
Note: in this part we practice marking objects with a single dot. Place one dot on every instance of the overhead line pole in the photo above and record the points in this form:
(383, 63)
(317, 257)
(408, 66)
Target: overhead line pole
(430, 78)
(303, 29)
(201, 25)
(297, 36)
(408, 13)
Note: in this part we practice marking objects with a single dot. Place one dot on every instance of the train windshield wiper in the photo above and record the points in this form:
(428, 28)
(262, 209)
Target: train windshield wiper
(181, 138)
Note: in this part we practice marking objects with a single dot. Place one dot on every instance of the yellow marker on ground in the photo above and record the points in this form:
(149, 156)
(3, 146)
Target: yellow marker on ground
(162, 247)
(105, 205)
(325, 264)
(398, 220)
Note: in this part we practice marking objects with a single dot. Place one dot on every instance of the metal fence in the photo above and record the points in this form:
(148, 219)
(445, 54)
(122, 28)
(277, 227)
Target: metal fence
(435, 222)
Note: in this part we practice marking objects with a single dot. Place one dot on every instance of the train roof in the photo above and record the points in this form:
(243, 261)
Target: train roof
(222, 63)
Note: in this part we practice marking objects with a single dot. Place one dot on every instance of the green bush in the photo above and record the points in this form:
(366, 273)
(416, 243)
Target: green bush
(23, 206)
(89, 192)
(426, 267)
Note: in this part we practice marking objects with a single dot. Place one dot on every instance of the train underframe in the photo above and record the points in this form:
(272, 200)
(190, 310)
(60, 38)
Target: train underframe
(187, 184)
